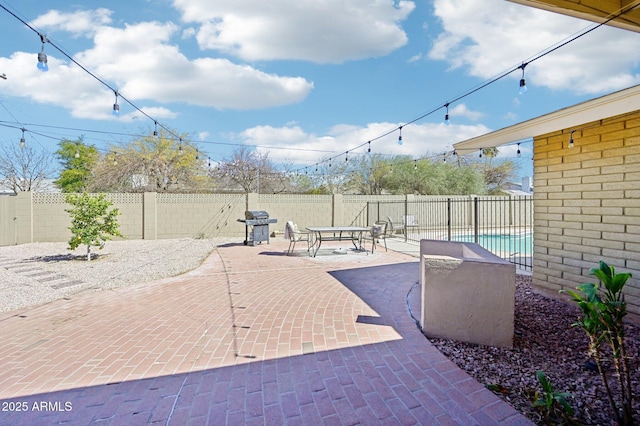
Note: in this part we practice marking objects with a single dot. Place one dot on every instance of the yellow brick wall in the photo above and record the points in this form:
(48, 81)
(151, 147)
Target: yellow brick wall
(587, 205)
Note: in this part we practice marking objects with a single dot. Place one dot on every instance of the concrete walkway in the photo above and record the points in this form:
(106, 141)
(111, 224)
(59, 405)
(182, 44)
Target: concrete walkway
(251, 337)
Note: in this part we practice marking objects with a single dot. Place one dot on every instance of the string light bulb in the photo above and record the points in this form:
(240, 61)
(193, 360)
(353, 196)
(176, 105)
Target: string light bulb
(369, 148)
(346, 157)
(116, 107)
(77, 154)
(42, 57)
(415, 165)
(446, 115)
(571, 139)
(480, 152)
(115, 160)
(197, 154)
(180, 147)
(518, 152)
(400, 136)
(523, 82)
(155, 130)
(22, 141)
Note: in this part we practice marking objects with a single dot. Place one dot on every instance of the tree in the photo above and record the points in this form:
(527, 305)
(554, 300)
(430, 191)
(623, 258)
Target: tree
(92, 223)
(497, 175)
(77, 160)
(152, 163)
(24, 168)
(251, 171)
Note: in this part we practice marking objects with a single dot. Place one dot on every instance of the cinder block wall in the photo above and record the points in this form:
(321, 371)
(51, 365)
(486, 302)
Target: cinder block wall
(199, 215)
(587, 205)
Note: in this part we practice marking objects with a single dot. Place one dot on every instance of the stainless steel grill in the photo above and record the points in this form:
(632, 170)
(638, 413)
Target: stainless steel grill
(256, 226)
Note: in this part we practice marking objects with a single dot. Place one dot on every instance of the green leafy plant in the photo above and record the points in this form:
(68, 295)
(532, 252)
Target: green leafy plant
(603, 311)
(92, 223)
(553, 404)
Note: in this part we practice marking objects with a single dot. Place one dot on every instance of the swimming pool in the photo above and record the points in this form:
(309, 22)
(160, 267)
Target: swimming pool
(514, 244)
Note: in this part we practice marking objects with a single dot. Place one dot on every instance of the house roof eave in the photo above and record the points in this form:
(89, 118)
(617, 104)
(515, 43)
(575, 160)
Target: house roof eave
(617, 103)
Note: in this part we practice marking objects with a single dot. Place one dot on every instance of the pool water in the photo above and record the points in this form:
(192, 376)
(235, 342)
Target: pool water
(517, 244)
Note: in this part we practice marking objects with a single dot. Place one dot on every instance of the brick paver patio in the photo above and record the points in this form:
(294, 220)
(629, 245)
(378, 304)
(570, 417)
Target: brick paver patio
(250, 337)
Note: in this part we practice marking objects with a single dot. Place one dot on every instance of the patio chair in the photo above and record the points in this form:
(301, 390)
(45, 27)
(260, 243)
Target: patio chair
(293, 234)
(377, 232)
(409, 221)
(392, 230)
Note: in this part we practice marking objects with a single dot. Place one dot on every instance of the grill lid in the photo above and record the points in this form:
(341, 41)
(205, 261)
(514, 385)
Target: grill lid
(256, 215)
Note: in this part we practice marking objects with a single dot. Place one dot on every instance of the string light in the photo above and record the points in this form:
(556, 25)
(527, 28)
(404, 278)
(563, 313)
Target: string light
(480, 152)
(446, 115)
(415, 165)
(400, 136)
(523, 83)
(155, 130)
(621, 12)
(369, 149)
(42, 57)
(197, 154)
(346, 157)
(116, 107)
(180, 147)
(518, 152)
(77, 154)
(209, 162)
(571, 139)
(115, 160)
(22, 141)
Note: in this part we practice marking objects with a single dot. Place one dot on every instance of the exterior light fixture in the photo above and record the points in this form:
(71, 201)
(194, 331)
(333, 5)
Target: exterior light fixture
(523, 82)
(571, 139)
(42, 57)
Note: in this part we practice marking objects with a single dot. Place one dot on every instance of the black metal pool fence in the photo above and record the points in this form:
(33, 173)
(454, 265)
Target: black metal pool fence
(502, 225)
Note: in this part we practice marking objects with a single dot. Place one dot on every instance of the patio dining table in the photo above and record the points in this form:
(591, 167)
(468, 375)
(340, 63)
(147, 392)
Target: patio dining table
(335, 233)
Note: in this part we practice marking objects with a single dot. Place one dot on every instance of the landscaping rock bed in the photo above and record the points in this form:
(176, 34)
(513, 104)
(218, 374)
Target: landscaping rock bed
(544, 340)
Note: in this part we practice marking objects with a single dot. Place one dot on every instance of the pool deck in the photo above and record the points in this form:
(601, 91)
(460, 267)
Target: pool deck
(253, 336)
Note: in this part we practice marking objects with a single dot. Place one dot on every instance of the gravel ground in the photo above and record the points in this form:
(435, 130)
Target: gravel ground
(37, 273)
(544, 340)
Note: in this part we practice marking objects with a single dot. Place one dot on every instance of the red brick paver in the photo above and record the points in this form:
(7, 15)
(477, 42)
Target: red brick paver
(250, 337)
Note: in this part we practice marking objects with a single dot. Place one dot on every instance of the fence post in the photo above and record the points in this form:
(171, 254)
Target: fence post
(476, 219)
(448, 219)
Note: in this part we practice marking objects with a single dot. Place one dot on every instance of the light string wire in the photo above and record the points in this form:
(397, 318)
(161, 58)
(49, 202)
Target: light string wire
(500, 76)
(543, 53)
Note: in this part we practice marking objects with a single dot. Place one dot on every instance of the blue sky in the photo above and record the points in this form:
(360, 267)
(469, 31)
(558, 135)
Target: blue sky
(302, 80)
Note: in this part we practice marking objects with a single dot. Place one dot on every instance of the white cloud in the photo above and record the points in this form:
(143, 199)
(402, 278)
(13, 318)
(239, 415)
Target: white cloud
(461, 110)
(492, 36)
(141, 63)
(78, 23)
(293, 145)
(322, 31)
